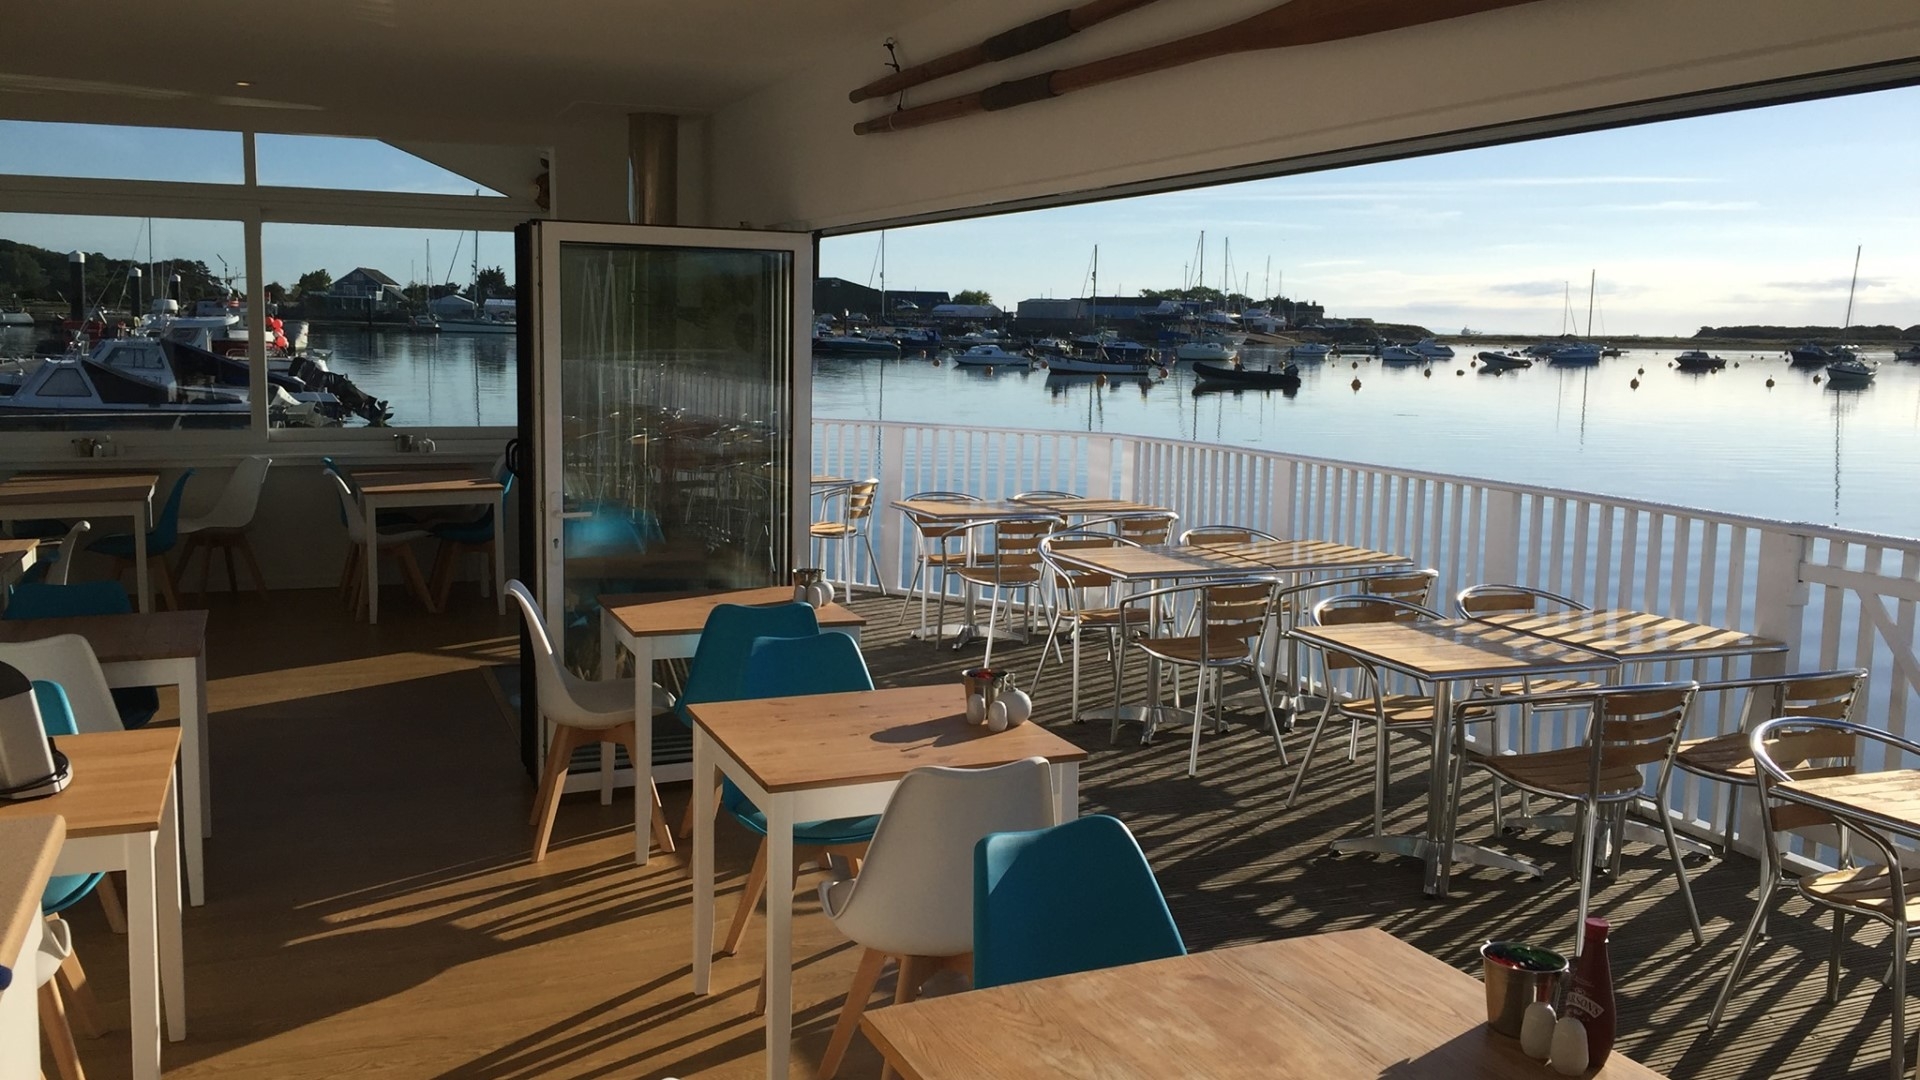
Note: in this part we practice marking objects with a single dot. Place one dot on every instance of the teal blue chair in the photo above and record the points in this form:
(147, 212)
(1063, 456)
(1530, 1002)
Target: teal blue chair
(39, 600)
(1075, 897)
(718, 670)
(457, 538)
(56, 715)
(160, 541)
(797, 667)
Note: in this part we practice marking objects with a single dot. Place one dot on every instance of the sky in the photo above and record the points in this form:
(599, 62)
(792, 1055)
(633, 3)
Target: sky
(1732, 219)
(1737, 218)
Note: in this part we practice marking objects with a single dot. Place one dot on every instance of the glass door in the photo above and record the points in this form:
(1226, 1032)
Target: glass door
(669, 400)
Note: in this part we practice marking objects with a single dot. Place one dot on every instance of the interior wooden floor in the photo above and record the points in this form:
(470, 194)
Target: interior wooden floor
(371, 910)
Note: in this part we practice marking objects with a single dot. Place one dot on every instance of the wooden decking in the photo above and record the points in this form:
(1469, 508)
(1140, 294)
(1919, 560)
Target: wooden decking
(371, 911)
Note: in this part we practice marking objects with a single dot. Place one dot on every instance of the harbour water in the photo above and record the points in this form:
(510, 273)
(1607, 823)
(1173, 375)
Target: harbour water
(1795, 451)
(429, 380)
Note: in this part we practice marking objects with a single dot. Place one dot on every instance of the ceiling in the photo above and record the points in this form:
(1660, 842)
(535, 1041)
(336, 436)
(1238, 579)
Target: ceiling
(417, 67)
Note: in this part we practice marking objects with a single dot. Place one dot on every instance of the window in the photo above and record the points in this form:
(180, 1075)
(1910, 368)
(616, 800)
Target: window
(316, 161)
(103, 152)
(66, 382)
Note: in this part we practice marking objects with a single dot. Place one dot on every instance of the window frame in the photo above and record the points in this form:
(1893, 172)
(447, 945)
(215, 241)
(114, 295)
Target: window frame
(255, 205)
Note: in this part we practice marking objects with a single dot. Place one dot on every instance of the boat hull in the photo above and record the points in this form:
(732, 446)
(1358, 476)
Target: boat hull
(1233, 376)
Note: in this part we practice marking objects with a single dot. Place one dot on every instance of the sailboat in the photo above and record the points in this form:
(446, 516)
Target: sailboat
(1849, 371)
(484, 320)
(1581, 352)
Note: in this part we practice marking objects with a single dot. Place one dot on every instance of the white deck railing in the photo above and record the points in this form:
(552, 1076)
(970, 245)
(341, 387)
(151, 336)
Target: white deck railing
(1838, 598)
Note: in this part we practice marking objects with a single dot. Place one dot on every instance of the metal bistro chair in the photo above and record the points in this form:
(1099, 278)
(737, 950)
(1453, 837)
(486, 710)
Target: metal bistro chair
(1008, 563)
(1067, 602)
(1147, 528)
(1805, 748)
(1228, 632)
(1372, 702)
(931, 553)
(1202, 535)
(1046, 496)
(1413, 587)
(856, 514)
(1631, 728)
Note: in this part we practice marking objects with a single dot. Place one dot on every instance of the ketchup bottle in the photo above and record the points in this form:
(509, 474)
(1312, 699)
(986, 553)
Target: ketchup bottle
(1590, 999)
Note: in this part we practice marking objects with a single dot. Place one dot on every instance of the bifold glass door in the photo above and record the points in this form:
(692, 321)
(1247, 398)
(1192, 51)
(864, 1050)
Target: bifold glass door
(670, 400)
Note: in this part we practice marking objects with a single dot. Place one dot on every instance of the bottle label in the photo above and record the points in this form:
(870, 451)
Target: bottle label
(1579, 1004)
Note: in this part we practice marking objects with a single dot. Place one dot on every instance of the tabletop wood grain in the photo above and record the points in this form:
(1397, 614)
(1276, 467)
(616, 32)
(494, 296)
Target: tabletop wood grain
(1891, 799)
(831, 740)
(432, 481)
(119, 782)
(39, 489)
(1255, 558)
(1635, 635)
(1452, 649)
(672, 614)
(1349, 1005)
(159, 635)
(941, 511)
(28, 847)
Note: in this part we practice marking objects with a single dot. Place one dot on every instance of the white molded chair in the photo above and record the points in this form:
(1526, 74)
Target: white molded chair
(225, 527)
(355, 578)
(67, 659)
(913, 899)
(581, 712)
(62, 564)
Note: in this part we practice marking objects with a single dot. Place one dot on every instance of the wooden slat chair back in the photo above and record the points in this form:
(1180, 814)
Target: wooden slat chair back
(1413, 588)
(860, 499)
(1498, 599)
(1348, 610)
(1229, 619)
(1202, 535)
(1072, 577)
(931, 552)
(1808, 748)
(1828, 695)
(1012, 555)
(1234, 615)
(1633, 730)
(1069, 601)
(1147, 530)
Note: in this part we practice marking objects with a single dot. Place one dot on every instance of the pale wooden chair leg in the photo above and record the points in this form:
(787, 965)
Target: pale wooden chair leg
(445, 561)
(749, 899)
(53, 1022)
(547, 801)
(253, 564)
(416, 584)
(115, 911)
(83, 1010)
(864, 978)
(662, 835)
(163, 576)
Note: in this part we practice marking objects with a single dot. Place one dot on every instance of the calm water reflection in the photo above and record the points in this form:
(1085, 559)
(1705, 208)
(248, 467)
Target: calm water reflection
(1795, 451)
(440, 380)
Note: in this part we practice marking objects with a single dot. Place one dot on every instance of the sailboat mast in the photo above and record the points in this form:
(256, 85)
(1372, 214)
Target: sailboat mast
(1593, 277)
(1850, 287)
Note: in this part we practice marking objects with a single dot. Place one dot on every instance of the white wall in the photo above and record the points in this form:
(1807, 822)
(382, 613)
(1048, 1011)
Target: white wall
(786, 157)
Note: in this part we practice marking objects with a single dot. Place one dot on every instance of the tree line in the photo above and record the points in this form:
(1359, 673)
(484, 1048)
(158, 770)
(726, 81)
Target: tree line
(30, 274)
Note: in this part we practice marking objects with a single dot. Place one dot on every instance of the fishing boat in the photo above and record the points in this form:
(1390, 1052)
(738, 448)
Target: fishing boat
(1698, 360)
(1433, 350)
(1208, 351)
(1402, 354)
(1503, 361)
(1085, 365)
(851, 345)
(1849, 373)
(1580, 352)
(989, 356)
(1287, 378)
(1309, 351)
(164, 379)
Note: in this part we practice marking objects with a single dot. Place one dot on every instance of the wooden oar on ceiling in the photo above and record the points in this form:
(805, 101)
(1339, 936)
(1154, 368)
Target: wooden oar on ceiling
(1300, 22)
(1021, 39)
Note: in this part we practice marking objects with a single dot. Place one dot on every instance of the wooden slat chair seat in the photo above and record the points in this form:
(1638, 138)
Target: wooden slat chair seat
(851, 526)
(931, 553)
(1066, 601)
(1007, 563)
(1809, 748)
(1231, 618)
(1729, 758)
(1412, 709)
(1631, 728)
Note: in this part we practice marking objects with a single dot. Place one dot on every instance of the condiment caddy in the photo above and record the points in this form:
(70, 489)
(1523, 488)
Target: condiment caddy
(1576, 1037)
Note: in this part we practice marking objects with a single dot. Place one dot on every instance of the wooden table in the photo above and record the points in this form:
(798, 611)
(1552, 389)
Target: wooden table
(165, 648)
(121, 801)
(1889, 800)
(431, 485)
(1349, 1005)
(1440, 653)
(936, 511)
(16, 558)
(1635, 637)
(28, 848)
(1213, 562)
(666, 626)
(833, 756)
(70, 495)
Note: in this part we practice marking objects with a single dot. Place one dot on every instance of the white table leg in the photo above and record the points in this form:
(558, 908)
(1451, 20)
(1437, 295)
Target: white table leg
(779, 976)
(1066, 790)
(703, 751)
(193, 774)
(173, 971)
(643, 743)
(140, 580)
(372, 558)
(143, 954)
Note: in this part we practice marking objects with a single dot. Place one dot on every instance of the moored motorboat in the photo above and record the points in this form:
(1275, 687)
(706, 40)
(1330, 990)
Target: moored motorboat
(1813, 355)
(166, 380)
(1432, 350)
(849, 345)
(1911, 354)
(1503, 361)
(1849, 373)
(1309, 350)
(1698, 360)
(990, 356)
(1580, 352)
(1286, 378)
(1214, 352)
(1402, 354)
(1085, 365)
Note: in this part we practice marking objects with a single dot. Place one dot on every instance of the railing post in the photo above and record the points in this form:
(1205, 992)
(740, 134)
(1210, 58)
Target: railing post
(1128, 467)
(893, 454)
(1779, 607)
(1280, 505)
(1100, 465)
(1500, 541)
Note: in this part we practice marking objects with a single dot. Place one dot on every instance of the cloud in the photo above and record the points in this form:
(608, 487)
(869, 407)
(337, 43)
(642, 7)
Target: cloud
(1690, 206)
(1827, 284)
(1529, 288)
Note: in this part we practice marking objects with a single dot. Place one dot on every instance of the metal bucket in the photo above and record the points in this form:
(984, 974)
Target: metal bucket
(984, 686)
(1511, 988)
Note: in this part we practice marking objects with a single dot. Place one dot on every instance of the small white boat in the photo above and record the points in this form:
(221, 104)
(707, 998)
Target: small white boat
(1849, 373)
(989, 356)
(1081, 365)
(1212, 352)
(1310, 350)
(1402, 354)
(1433, 350)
